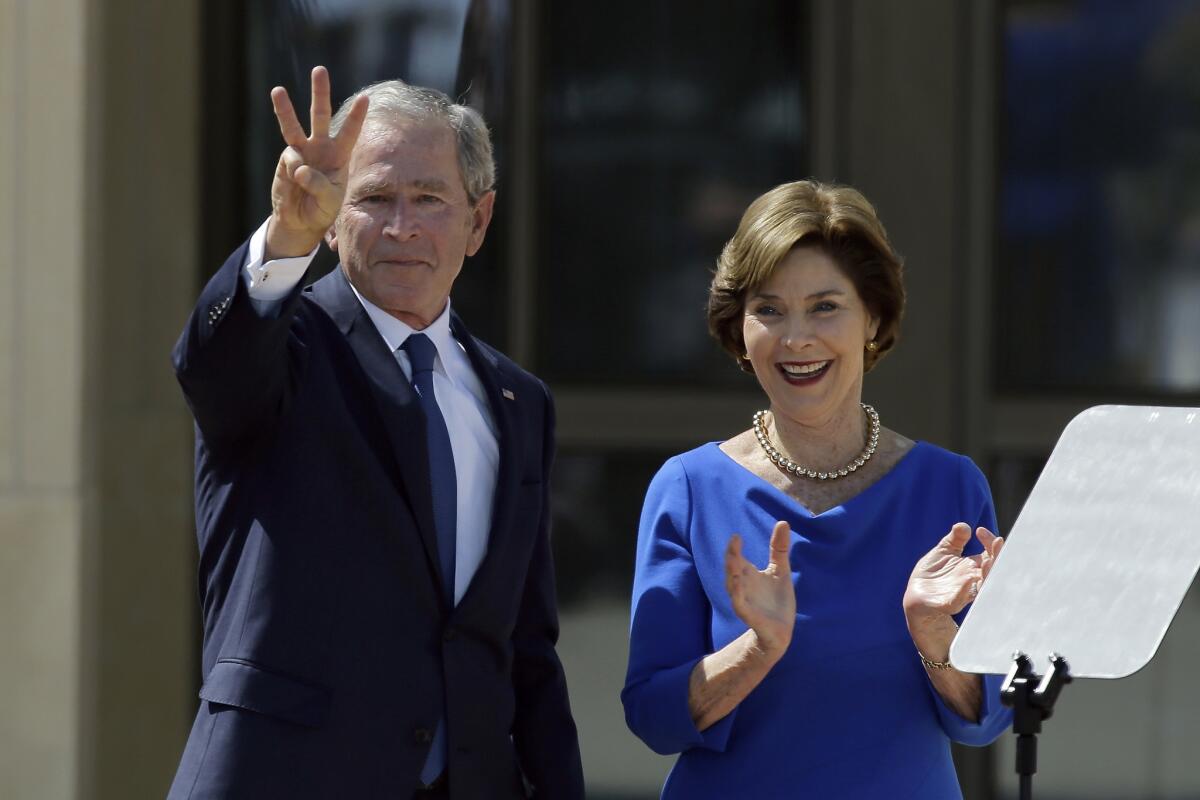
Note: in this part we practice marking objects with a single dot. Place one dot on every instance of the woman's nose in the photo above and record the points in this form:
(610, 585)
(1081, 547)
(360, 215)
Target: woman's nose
(796, 336)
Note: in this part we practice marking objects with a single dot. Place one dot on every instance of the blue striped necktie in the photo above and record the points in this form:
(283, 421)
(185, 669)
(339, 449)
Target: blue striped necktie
(444, 485)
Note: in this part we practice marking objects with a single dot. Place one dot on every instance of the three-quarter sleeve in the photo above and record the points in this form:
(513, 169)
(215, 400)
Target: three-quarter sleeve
(670, 625)
(994, 717)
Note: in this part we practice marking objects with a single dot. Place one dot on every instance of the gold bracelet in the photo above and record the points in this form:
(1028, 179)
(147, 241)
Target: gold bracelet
(933, 664)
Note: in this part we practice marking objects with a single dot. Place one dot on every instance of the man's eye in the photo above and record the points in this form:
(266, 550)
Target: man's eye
(428, 199)
(374, 198)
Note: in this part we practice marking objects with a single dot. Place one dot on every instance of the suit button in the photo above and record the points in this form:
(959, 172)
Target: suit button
(423, 735)
(449, 634)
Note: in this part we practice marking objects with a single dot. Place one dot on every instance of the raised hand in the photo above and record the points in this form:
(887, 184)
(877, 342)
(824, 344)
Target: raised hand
(310, 179)
(764, 599)
(944, 581)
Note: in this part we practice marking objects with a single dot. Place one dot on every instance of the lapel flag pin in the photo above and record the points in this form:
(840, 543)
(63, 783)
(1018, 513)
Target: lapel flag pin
(508, 395)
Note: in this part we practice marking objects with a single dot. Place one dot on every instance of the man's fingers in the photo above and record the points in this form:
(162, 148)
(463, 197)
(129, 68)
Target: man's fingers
(781, 545)
(289, 126)
(350, 129)
(290, 160)
(320, 110)
(317, 185)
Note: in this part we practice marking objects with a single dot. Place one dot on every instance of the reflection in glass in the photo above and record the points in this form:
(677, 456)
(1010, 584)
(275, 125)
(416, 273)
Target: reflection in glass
(660, 123)
(1011, 477)
(1099, 283)
(596, 500)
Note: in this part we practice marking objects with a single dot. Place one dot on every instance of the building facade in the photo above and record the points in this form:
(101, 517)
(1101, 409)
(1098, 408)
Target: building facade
(1037, 164)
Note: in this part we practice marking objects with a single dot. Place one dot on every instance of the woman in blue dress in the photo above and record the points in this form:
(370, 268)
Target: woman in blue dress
(825, 674)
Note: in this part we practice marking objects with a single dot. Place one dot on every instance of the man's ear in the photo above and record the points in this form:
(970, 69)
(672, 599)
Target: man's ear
(331, 238)
(481, 215)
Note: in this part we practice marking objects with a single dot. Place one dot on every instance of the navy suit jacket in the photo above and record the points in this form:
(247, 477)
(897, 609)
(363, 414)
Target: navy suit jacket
(328, 645)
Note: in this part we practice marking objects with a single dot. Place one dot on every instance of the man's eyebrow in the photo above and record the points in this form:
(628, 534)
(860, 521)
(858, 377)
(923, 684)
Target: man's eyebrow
(371, 186)
(430, 184)
(380, 185)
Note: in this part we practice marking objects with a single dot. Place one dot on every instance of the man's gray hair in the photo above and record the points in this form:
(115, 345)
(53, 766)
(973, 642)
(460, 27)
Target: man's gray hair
(395, 99)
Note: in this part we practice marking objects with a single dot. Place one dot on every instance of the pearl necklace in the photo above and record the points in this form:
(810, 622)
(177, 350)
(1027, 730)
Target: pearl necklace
(787, 465)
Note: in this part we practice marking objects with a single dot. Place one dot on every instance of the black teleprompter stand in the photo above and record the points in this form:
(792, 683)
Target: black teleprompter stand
(1074, 573)
(1031, 697)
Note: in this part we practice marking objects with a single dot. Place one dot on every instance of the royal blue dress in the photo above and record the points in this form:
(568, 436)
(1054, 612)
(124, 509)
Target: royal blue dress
(849, 711)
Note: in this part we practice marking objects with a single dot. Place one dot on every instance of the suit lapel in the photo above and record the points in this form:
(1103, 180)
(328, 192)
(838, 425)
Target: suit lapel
(509, 445)
(394, 397)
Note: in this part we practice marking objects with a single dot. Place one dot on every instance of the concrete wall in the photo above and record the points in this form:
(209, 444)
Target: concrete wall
(98, 226)
(142, 615)
(42, 488)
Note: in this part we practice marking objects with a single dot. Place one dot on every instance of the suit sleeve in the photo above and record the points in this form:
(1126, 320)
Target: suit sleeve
(669, 631)
(994, 717)
(543, 730)
(236, 359)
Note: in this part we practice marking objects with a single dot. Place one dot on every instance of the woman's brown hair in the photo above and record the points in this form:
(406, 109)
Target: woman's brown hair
(837, 219)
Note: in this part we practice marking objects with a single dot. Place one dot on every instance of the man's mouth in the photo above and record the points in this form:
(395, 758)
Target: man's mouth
(403, 262)
(804, 374)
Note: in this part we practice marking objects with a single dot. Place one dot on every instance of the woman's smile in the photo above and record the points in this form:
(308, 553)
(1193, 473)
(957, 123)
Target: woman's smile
(804, 373)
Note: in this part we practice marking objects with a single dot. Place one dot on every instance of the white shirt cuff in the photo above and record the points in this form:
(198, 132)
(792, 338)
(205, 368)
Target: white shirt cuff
(272, 281)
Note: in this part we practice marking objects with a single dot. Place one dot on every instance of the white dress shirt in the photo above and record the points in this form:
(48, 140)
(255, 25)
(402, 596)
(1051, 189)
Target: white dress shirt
(459, 393)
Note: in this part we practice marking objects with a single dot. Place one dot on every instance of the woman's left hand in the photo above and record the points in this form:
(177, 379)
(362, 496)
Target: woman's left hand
(944, 581)
(941, 585)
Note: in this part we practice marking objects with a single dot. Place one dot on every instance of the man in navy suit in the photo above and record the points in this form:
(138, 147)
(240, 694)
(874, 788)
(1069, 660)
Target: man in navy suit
(371, 486)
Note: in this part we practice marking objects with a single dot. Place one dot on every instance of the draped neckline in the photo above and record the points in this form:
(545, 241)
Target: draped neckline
(902, 465)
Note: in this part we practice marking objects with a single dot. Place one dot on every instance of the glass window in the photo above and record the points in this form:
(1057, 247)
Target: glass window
(1099, 279)
(660, 122)
(597, 500)
(1011, 477)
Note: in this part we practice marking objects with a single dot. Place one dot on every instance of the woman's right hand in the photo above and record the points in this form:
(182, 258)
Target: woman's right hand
(764, 599)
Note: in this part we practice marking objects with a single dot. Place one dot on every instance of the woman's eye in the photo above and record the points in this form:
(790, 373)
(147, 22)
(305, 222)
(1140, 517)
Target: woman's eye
(766, 311)
(825, 305)
(374, 198)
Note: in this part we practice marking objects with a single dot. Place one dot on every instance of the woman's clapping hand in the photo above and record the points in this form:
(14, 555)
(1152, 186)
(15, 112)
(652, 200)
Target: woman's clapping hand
(764, 599)
(944, 581)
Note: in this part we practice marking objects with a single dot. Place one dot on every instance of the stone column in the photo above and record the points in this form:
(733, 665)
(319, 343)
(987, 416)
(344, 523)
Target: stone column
(98, 229)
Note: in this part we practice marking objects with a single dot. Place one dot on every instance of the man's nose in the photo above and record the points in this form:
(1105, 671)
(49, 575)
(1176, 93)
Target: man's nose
(401, 222)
